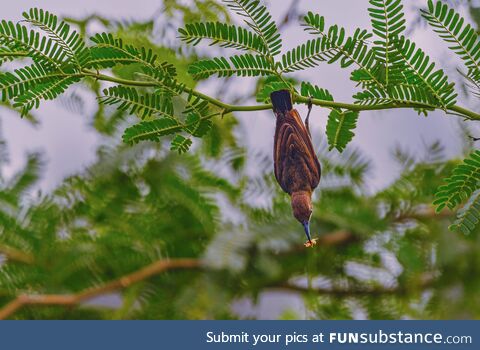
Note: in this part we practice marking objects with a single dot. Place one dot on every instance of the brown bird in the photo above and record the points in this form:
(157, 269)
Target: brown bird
(297, 168)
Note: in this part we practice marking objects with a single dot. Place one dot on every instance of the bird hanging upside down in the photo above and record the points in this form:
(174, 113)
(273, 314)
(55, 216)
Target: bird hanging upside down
(297, 168)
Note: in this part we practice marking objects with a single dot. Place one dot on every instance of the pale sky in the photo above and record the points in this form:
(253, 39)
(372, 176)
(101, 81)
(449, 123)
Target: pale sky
(69, 144)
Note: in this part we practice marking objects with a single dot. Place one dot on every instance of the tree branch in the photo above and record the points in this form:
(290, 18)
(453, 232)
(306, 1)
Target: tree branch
(297, 99)
(14, 254)
(120, 283)
(332, 239)
(335, 238)
(426, 281)
(228, 108)
(14, 54)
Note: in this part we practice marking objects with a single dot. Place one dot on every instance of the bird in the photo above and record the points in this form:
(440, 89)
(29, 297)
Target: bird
(296, 166)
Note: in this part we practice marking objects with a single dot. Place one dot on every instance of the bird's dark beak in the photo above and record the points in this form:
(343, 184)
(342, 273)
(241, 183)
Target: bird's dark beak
(306, 226)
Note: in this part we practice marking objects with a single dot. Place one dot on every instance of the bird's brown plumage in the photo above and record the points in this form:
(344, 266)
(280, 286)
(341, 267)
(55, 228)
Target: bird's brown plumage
(297, 168)
(296, 165)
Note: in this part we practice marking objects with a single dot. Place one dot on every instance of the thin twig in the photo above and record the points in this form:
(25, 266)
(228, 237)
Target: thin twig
(297, 99)
(14, 254)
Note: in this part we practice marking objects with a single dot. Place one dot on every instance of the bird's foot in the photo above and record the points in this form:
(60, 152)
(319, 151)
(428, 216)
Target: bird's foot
(310, 243)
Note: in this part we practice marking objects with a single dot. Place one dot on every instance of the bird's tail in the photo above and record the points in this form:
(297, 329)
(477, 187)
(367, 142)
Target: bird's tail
(281, 101)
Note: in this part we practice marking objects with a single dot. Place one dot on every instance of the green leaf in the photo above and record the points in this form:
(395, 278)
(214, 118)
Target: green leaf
(151, 130)
(23, 79)
(388, 23)
(205, 68)
(110, 51)
(197, 126)
(309, 90)
(7, 54)
(461, 184)
(258, 18)
(47, 90)
(473, 81)
(451, 27)
(340, 123)
(170, 86)
(180, 144)
(70, 41)
(145, 105)
(402, 93)
(332, 46)
(27, 177)
(469, 216)
(264, 94)
(308, 55)
(222, 34)
(339, 128)
(241, 65)
(418, 70)
(41, 49)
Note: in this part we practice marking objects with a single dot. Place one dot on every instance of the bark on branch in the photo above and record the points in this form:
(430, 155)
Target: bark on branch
(425, 282)
(120, 283)
(14, 254)
(336, 238)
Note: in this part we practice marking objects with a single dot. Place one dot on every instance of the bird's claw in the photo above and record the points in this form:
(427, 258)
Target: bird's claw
(310, 243)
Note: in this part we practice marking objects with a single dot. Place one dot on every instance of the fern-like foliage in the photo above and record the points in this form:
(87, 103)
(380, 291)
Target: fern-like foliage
(144, 105)
(7, 54)
(270, 86)
(468, 216)
(392, 72)
(451, 27)
(72, 44)
(418, 70)
(395, 94)
(229, 36)
(197, 126)
(309, 54)
(460, 186)
(49, 90)
(388, 23)
(340, 123)
(240, 65)
(464, 183)
(29, 85)
(180, 144)
(259, 19)
(59, 57)
(23, 79)
(310, 90)
(42, 50)
(151, 130)
(110, 51)
(340, 128)
(265, 41)
(334, 45)
(167, 84)
(473, 81)
(151, 106)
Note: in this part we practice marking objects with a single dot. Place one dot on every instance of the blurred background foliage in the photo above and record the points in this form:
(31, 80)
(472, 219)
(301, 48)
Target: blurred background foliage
(385, 255)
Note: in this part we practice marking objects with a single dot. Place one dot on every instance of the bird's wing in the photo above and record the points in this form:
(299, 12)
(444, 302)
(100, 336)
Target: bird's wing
(294, 157)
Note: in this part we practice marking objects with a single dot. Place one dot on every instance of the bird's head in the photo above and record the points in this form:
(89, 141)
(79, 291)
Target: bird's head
(302, 209)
